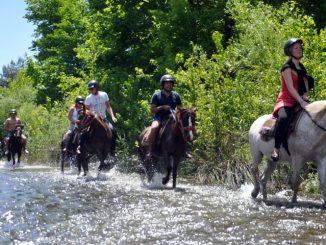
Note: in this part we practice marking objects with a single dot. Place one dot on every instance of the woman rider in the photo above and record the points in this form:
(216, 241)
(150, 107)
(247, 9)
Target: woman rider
(73, 118)
(293, 76)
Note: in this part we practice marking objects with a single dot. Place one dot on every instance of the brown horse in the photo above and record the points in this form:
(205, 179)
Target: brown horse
(176, 131)
(96, 138)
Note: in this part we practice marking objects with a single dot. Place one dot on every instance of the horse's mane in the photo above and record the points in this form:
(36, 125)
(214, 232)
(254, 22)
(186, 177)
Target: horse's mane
(100, 121)
(317, 109)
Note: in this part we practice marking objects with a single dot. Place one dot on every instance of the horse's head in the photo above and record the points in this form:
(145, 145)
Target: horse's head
(186, 117)
(18, 131)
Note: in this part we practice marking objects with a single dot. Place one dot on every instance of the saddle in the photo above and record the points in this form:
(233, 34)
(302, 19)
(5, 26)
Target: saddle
(161, 130)
(267, 131)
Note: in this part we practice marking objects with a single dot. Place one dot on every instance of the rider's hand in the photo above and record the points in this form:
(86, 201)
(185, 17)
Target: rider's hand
(114, 119)
(77, 122)
(166, 107)
(305, 97)
(303, 103)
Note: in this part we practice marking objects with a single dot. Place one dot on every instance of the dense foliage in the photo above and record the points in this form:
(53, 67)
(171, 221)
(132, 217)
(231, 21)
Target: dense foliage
(225, 56)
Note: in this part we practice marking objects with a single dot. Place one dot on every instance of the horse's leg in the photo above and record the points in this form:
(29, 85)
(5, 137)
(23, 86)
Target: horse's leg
(257, 157)
(321, 168)
(266, 176)
(297, 164)
(168, 163)
(9, 156)
(13, 159)
(79, 162)
(62, 161)
(19, 155)
(175, 164)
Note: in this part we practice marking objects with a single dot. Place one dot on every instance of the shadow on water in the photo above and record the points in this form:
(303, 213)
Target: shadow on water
(280, 203)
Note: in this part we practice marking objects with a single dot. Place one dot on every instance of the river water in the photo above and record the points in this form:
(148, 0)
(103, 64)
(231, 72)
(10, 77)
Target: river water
(39, 205)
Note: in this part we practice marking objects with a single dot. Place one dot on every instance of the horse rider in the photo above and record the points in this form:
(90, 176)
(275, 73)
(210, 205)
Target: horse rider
(9, 125)
(98, 101)
(293, 76)
(73, 119)
(162, 104)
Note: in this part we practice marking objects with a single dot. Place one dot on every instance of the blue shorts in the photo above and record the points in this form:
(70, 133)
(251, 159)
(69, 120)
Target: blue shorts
(9, 134)
(108, 123)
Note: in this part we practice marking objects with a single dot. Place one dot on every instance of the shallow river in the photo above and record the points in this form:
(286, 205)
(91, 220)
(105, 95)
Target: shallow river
(39, 205)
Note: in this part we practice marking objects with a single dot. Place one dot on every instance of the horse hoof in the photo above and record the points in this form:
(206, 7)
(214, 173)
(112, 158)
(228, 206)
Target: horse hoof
(254, 193)
(165, 180)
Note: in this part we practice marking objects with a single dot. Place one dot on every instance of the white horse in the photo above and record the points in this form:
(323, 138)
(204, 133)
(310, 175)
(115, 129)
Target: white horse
(306, 143)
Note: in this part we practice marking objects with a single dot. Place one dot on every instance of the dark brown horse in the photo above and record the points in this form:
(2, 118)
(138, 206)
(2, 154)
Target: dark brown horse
(176, 131)
(96, 139)
(15, 145)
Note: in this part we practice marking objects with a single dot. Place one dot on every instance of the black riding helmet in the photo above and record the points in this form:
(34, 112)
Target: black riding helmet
(93, 84)
(13, 111)
(79, 100)
(290, 43)
(166, 78)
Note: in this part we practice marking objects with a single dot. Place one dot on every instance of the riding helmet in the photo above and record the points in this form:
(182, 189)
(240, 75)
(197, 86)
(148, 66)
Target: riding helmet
(289, 43)
(93, 84)
(13, 111)
(167, 78)
(79, 100)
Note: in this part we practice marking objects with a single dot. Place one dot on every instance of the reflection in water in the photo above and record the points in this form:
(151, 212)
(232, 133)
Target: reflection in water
(42, 206)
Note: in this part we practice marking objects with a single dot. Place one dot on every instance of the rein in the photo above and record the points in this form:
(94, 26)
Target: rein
(315, 122)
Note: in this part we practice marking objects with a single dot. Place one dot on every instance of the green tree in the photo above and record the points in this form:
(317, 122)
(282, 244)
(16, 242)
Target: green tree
(10, 71)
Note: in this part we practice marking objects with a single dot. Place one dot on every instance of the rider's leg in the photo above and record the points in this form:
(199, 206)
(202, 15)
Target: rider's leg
(280, 131)
(24, 142)
(6, 142)
(152, 136)
(6, 145)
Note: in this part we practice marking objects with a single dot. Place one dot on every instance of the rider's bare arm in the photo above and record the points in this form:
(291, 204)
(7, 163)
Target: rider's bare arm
(6, 125)
(70, 114)
(110, 111)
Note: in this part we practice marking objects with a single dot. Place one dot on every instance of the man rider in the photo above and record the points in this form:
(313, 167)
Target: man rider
(73, 118)
(162, 103)
(98, 102)
(9, 126)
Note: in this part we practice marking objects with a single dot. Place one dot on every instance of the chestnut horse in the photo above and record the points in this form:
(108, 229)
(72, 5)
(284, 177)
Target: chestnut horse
(96, 138)
(176, 131)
